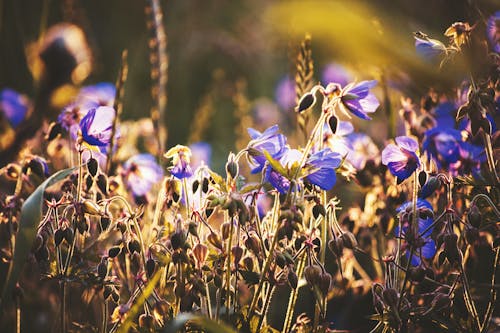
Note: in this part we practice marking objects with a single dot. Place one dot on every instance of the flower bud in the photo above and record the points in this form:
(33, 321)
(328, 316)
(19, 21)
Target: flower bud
(280, 260)
(133, 245)
(213, 239)
(114, 251)
(232, 168)
(306, 101)
(416, 274)
(312, 274)
(325, 280)
(318, 210)
(200, 252)
(102, 184)
(177, 240)
(237, 253)
(333, 123)
(150, 267)
(102, 269)
(58, 236)
(92, 166)
(430, 187)
(225, 230)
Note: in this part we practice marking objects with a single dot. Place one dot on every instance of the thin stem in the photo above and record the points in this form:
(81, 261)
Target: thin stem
(265, 308)
(493, 292)
(293, 296)
(228, 268)
(104, 316)
(62, 290)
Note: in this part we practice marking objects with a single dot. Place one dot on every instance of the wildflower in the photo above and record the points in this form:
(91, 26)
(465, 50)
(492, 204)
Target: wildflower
(357, 99)
(401, 159)
(288, 161)
(322, 167)
(469, 162)
(337, 73)
(141, 172)
(459, 33)
(14, 106)
(285, 93)
(423, 245)
(271, 141)
(201, 153)
(100, 94)
(430, 49)
(493, 31)
(363, 149)
(97, 125)
(181, 158)
(338, 141)
(442, 145)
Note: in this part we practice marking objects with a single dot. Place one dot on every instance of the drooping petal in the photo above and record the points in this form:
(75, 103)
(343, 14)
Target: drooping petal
(392, 153)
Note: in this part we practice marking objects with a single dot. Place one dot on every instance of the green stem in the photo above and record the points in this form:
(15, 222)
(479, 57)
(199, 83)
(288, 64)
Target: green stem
(293, 296)
(62, 285)
(265, 308)
(228, 268)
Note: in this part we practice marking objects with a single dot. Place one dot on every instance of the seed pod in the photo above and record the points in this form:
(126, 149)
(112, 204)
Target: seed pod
(208, 212)
(180, 289)
(430, 187)
(248, 263)
(213, 239)
(252, 244)
(471, 234)
(92, 166)
(200, 252)
(237, 253)
(133, 245)
(325, 281)
(195, 185)
(318, 210)
(55, 129)
(204, 185)
(177, 240)
(102, 269)
(333, 122)
(104, 221)
(292, 278)
(225, 230)
(150, 267)
(312, 274)
(37, 166)
(58, 236)
(114, 251)
(390, 297)
(68, 235)
(82, 224)
(422, 178)
(280, 260)
(193, 228)
(232, 168)
(107, 291)
(336, 246)
(306, 101)
(120, 225)
(102, 184)
(89, 181)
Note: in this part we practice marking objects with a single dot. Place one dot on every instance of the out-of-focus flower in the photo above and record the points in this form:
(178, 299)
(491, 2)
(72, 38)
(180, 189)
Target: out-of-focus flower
(444, 114)
(271, 141)
(363, 149)
(357, 99)
(201, 153)
(338, 141)
(181, 158)
(401, 159)
(429, 49)
(459, 32)
(100, 94)
(321, 167)
(337, 73)
(469, 163)
(97, 125)
(423, 245)
(442, 145)
(14, 106)
(493, 31)
(140, 173)
(285, 93)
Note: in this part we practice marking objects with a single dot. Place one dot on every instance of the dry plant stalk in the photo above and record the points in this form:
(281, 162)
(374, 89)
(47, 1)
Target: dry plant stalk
(303, 80)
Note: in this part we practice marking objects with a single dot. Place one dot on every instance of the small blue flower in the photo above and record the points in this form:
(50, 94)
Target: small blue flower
(469, 163)
(442, 145)
(401, 159)
(322, 167)
(271, 141)
(445, 115)
(14, 106)
(363, 149)
(493, 31)
(429, 49)
(181, 159)
(97, 125)
(337, 73)
(141, 172)
(424, 245)
(100, 94)
(285, 93)
(358, 100)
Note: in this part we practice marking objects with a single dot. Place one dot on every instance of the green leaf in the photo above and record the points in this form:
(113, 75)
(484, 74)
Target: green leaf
(139, 303)
(31, 215)
(208, 325)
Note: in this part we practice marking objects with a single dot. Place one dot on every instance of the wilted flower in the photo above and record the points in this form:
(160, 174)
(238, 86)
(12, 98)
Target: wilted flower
(321, 168)
(97, 125)
(357, 99)
(285, 93)
(428, 48)
(271, 141)
(493, 31)
(401, 159)
(181, 158)
(14, 106)
(141, 172)
(424, 245)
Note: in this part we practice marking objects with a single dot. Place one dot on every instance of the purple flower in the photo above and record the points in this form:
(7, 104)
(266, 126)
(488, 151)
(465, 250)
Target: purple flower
(337, 73)
(14, 106)
(363, 149)
(423, 245)
(181, 159)
(100, 94)
(285, 93)
(321, 168)
(141, 172)
(358, 100)
(401, 159)
(429, 49)
(493, 31)
(470, 159)
(289, 159)
(271, 141)
(442, 145)
(97, 126)
(201, 154)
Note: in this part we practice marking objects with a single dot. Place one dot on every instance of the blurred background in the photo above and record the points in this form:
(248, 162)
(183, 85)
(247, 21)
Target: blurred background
(220, 48)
